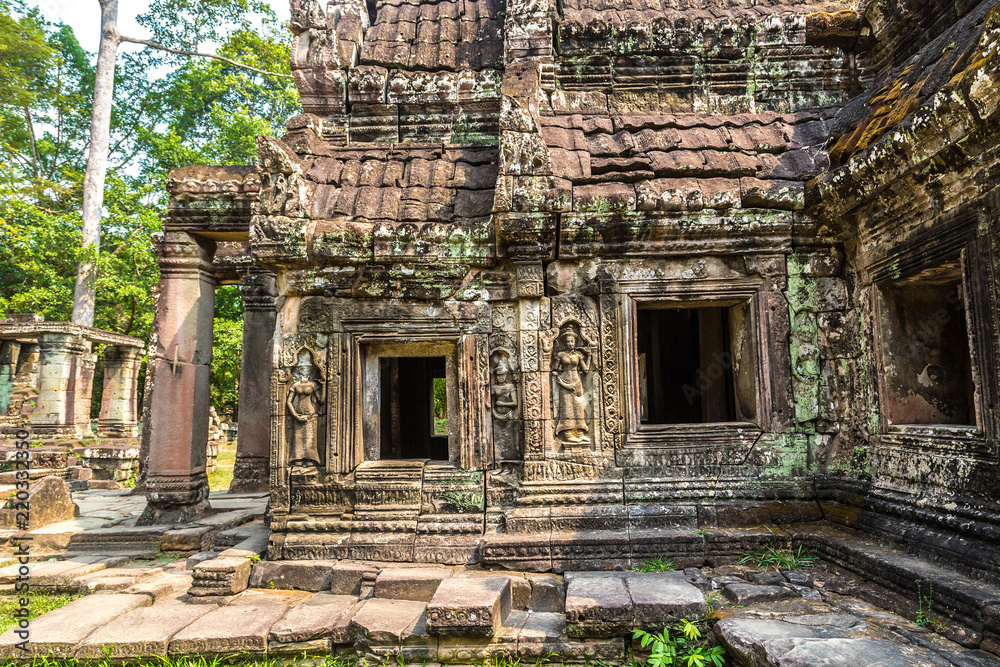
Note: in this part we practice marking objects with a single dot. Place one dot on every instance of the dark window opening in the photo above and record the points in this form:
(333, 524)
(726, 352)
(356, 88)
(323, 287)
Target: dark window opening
(695, 365)
(410, 407)
(927, 364)
(370, 5)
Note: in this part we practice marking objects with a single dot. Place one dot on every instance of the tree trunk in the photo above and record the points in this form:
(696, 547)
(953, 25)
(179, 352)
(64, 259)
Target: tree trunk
(97, 165)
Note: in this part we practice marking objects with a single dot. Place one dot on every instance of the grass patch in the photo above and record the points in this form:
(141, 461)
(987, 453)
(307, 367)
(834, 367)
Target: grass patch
(224, 462)
(778, 557)
(657, 564)
(38, 603)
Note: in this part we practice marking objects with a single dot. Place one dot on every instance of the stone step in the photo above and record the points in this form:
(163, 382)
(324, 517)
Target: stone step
(57, 633)
(242, 627)
(469, 607)
(410, 583)
(972, 604)
(144, 631)
(607, 604)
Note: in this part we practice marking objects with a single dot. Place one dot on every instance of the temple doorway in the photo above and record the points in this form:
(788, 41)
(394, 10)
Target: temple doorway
(413, 408)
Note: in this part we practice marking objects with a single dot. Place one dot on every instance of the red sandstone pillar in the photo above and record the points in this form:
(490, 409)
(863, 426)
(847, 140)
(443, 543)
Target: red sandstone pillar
(119, 416)
(250, 473)
(176, 483)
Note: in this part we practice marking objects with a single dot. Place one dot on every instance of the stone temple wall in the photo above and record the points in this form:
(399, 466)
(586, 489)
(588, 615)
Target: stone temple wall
(684, 267)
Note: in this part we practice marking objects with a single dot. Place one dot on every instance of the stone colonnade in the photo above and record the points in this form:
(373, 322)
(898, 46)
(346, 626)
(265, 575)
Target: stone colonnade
(57, 360)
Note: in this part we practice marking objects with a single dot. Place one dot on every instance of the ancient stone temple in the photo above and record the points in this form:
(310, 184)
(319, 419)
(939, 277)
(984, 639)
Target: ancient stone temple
(679, 267)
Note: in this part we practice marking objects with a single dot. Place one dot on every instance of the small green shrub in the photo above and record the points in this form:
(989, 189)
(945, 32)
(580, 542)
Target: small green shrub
(657, 564)
(924, 618)
(687, 649)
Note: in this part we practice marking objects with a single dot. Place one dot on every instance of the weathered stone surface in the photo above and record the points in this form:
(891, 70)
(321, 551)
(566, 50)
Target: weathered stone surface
(225, 575)
(184, 539)
(597, 605)
(145, 631)
(548, 594)
(405, 583)
(57, 633)
(744, 594)
(229, 629)
(663, 598)
(469, 607)
(314, 619)
(299, 575)
(346, 577)
(381, 621)
(49, 501)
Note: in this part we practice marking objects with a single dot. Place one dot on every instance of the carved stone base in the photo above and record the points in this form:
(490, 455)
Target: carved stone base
(155, 515)
(250, 475)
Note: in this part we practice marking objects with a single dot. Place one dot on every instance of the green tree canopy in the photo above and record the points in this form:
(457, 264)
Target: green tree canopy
(169, 111)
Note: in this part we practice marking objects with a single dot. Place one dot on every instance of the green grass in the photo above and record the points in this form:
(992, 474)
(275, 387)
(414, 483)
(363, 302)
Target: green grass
(223, 475)
(657, 564)
(38, 603)
(777, 557)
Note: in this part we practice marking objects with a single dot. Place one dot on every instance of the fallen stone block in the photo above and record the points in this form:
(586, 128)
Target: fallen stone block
(744, 594)
(310, 575)
(662, 598)
(597, 605)
(314, 619)
(58, 632)
(50, 501)
(469, 607)
(229, 629)
(145, 631)
(382, 621)
(221, 576)
(410, 583)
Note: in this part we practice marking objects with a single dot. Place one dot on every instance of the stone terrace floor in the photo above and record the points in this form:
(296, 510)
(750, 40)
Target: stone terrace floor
(143, 601)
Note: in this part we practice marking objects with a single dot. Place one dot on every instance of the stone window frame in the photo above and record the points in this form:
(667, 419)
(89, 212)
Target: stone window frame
(374, 350)
(903, 264)
(684, 294)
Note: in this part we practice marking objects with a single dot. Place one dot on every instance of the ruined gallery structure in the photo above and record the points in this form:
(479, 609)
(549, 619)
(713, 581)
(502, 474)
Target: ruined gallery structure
(558, 286)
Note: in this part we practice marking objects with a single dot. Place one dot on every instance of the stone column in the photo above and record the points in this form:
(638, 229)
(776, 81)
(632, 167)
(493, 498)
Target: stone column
(65, 383)
(176, 482)
(251, 470)
(119, 417)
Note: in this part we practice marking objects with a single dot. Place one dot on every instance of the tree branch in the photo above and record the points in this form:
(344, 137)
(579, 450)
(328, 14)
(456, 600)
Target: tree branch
(184, 52)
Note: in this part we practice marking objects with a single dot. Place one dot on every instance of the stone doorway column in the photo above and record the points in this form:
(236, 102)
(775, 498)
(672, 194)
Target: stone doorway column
(119, 416)
(176, 482)
(65, 384)
(251, 470)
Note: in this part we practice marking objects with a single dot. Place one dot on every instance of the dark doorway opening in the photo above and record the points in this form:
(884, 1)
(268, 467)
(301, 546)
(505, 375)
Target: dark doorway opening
(410, 419)
(685, 366)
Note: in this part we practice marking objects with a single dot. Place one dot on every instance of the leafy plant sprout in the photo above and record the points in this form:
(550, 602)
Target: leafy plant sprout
(779, 557)
(687, 649)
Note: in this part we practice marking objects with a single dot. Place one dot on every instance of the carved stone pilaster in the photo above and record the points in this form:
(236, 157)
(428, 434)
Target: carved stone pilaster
(251, 470)
(177, 485)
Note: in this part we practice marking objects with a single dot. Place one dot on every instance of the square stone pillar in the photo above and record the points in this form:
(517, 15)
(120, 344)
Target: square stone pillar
(119, 416)
(176, 481)
(65, 384)
(253, 440)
